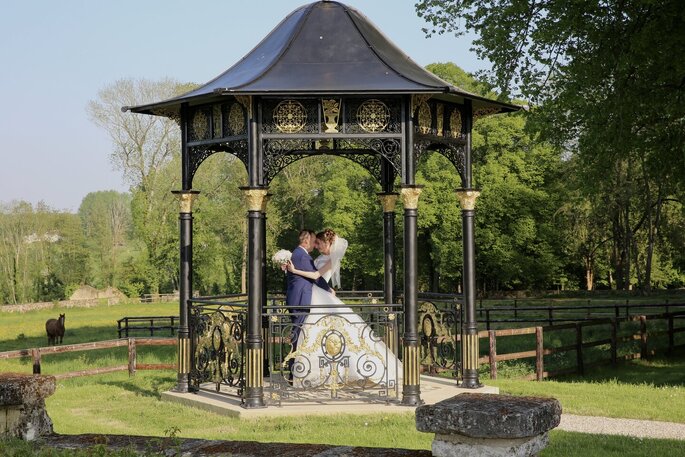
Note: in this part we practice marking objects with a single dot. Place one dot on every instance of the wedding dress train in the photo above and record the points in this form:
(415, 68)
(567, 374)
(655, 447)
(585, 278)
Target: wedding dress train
(337, 347)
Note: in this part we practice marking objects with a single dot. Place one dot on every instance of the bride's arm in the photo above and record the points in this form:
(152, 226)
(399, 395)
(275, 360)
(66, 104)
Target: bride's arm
(314, 275)
(310, 274)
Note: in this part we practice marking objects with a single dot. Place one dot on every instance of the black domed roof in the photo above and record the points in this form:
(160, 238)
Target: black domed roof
(324, 47)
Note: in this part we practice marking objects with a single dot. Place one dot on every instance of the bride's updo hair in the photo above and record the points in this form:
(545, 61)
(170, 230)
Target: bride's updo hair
(327, 235)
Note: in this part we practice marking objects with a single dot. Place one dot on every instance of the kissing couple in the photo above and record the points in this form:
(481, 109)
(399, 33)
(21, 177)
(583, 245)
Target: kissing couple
(331, 345)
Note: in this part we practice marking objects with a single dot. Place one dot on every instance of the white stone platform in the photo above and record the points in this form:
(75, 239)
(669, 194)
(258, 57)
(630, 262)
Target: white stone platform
(433, 390)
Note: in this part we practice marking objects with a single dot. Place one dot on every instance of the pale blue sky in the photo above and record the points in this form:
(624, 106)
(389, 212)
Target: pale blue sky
(56, 55)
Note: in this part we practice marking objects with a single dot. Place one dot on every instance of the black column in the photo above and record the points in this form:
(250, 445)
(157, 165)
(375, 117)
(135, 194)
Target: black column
(388, 201)
(467, 197)
(185, 287)
(254, 195)
(265, 321)
(411, 388)
(254, 360)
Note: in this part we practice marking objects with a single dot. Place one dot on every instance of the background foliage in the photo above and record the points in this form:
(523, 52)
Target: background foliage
(550, 216)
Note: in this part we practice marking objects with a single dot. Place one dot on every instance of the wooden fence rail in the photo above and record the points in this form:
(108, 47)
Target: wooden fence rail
(581, 365)
(131, 343)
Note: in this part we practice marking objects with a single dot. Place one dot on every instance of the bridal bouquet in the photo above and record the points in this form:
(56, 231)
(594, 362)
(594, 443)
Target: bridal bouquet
(281, 257)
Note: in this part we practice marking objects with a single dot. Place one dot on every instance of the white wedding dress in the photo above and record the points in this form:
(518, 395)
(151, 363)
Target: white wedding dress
(336, 347)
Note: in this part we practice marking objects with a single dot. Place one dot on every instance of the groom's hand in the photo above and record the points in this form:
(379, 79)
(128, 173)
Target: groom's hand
(333, 291)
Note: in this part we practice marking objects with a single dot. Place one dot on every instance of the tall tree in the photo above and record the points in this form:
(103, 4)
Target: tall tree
(142, 147)
(605, 81)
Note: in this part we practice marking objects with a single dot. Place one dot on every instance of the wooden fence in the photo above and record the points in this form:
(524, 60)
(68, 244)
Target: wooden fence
(552, 314)
(643, 336)
(131, 367)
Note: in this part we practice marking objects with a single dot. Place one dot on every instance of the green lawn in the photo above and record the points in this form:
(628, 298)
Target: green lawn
(117, 404)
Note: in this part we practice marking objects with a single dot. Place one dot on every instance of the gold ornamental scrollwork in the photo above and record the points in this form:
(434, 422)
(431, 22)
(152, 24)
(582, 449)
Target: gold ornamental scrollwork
(373, 116)
(424, 118)
(246, 101)
(467, 198)
(254, 197)
(186, 199)
(440, 115)
(200, 125)
(417, 100)
(331, 114)
(410, 196)
(236, 119)
(290, 116)
(388, 202)
(455, 123)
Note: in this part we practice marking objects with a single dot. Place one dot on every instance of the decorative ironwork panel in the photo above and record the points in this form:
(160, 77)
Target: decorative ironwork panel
(235, 120)
(424, 118)
(390, 148)
(199, 124)
(376, 115)
(290, 116)
(218, 350)
(331, 114)
(217, 124)
(339, 354)
(439, 118)
(278, 154)
(439, 327)
(455, 125)
(198, 154)
(453, 152)
(483, 112)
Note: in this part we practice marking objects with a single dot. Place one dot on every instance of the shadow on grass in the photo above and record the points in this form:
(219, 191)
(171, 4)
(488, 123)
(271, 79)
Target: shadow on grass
(659, 371)
(73, 335)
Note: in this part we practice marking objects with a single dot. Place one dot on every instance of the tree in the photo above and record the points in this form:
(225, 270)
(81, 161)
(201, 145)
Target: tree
(107, 226)
(605, 81)
(143, 147)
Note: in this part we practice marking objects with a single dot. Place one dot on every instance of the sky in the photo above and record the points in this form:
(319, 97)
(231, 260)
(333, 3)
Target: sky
(56, 55)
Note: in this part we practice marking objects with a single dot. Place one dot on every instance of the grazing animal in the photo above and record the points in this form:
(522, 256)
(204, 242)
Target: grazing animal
(55, 329)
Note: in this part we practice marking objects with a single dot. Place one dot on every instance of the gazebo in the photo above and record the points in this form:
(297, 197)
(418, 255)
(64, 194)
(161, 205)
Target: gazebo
(327, 81)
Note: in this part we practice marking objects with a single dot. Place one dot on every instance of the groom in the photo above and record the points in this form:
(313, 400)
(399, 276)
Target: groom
(299, 292)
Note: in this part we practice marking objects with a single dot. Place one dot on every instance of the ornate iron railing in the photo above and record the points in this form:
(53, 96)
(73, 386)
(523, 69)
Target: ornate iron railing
(217, 331)
(440, 319)
(339, 354)
(331, 353)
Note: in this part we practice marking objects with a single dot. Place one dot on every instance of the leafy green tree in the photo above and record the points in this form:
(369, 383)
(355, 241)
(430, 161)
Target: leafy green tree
(107, 226)
(605, 83)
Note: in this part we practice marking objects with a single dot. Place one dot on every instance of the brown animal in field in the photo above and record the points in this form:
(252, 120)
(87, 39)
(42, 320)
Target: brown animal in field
(55, 329)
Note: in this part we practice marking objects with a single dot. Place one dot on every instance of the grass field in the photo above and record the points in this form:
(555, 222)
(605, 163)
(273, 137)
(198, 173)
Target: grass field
(117, 404)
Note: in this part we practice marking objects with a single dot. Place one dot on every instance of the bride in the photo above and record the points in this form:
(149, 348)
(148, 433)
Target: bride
(336, 347)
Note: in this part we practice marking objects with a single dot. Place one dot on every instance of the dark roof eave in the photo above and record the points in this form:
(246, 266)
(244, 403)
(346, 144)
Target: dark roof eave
(174, 104)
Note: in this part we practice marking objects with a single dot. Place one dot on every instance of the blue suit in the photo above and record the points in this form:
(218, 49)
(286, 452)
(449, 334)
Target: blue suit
(299, 290)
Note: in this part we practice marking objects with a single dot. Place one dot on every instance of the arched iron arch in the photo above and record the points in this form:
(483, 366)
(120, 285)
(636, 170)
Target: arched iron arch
(198, 154)
(371, 154)
(454, 153)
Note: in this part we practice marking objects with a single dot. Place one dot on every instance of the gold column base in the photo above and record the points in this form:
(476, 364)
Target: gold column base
(470, 351)
(184, 355)
(411, 366)
(255, 368)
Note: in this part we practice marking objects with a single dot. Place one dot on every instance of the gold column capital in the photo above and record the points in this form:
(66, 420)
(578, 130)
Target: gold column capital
(410, 196)
(254, 197)
(467, 198)
(186, 199)
(265, 200)
(388, 201)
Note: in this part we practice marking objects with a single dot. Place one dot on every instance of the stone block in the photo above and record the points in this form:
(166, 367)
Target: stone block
(489, 425)
(22, 405)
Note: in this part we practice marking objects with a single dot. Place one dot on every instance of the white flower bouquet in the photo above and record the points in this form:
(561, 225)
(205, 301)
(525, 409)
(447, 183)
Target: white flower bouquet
(281, 257)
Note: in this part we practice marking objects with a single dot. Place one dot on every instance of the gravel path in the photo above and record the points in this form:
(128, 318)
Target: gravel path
(630, 427)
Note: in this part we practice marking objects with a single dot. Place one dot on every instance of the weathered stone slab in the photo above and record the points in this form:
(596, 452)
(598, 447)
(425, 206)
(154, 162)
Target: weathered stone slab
(460, 446)
(22, 405)
(490, 416)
